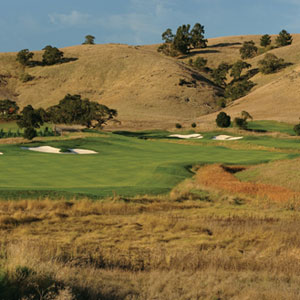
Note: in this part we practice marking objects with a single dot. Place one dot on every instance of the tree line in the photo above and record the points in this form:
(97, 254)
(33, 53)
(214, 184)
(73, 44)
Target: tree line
(71, 110)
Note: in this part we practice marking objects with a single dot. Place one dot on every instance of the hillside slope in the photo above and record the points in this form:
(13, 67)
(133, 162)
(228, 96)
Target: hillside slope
(275, 96)
(137, 81)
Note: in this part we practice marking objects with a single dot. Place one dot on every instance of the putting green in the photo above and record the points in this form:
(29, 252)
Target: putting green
(124, 165)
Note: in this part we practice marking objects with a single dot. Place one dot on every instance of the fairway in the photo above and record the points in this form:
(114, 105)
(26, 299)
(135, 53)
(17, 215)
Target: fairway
(124, 166)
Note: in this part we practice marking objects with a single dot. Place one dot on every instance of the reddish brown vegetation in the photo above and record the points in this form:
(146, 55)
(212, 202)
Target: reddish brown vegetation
(222, 178)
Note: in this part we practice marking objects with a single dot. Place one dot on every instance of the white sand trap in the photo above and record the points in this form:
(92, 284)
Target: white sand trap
(1, 153)
(187, 136)
(44, 149)
(227, 138)
(82, 151)
(49, 149)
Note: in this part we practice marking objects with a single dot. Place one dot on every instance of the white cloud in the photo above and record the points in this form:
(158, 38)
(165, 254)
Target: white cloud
(72, 19)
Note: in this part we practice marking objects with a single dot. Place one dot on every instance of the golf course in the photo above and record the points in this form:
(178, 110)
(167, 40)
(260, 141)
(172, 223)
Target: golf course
(125, 163)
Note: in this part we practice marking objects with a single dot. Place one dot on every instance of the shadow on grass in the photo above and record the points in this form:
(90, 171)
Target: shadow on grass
(35, 63)
(144, 135)
(224, 45)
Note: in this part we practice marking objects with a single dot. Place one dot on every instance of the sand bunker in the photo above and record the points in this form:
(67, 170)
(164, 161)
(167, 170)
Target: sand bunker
(49, 149)
(1, 153)
(44, 149)
(187, 136)
(82, 151)
(227, 138)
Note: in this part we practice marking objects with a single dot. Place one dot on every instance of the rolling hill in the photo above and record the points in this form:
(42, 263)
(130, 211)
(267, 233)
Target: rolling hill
(144, 85)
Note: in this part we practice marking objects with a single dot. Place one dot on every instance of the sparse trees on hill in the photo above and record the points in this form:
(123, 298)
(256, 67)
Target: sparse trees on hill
(52, 55)
(197, 36)
(238, 89)
(223, 120)
(270, 64)
(74, 110)
(24, 56)
(248, 50)
(89, 40)
(283, 39)
(265, 40)
(8, 110)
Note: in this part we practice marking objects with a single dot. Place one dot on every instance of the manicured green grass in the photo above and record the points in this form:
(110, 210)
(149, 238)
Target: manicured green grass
(124, 166)
(271, 126)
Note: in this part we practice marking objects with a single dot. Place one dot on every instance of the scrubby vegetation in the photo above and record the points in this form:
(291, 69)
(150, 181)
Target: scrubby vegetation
(271, 64)
(248, 50)
(223, 120)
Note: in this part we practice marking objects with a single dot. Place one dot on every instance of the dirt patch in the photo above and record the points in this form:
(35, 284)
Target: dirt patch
(221, 178)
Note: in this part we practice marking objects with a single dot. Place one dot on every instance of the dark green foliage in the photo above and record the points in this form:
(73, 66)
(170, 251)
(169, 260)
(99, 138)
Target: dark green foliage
(168, 36)
(200, 63)
(25, 77)
(283, 39)
(265, 40)
(220, 74)
(30, 118)
(178, 126)
(223, 120)
(270, 64)
(194, 125)
(30, 133)
(238, 89)
(52, 55)
(24, 56)
(237, 68)
(74, 110)
(240, 123)
(197, 36)
(297, 129)
(183, 40)
(248, 50)
(8, 110)
(89, 40)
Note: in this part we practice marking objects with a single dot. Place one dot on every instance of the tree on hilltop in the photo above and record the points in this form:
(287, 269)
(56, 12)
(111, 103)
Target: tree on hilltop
(89, 40)
(283, 39)
(52, 55)
(24, 56)
(265, 40)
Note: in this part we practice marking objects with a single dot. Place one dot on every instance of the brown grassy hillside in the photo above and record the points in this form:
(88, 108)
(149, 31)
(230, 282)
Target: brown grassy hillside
(140, 83)
(143, 85)
(275, 96)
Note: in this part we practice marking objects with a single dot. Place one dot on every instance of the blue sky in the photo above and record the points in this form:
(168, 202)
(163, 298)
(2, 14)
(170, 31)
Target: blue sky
(34, 24)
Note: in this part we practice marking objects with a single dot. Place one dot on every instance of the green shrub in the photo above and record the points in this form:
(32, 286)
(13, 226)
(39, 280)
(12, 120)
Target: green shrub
(223, 120)
(240, 123)
(270, 64)
(297, 129)
(221, 102)
(238, 89)
(178, 125)
(194, 125)
(248, 50)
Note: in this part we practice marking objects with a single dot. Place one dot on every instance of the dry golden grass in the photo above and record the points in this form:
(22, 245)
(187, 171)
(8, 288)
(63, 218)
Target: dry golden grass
(153, 248)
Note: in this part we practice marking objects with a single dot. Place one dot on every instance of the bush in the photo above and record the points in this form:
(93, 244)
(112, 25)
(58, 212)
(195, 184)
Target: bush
(178, 126)
(25, 77)
(221, 102)
(52, 55)
(194, 125)
(248, 50)
(223, 120)
(240, 123)
(200, 63)
(270, 64)
(297, 129)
